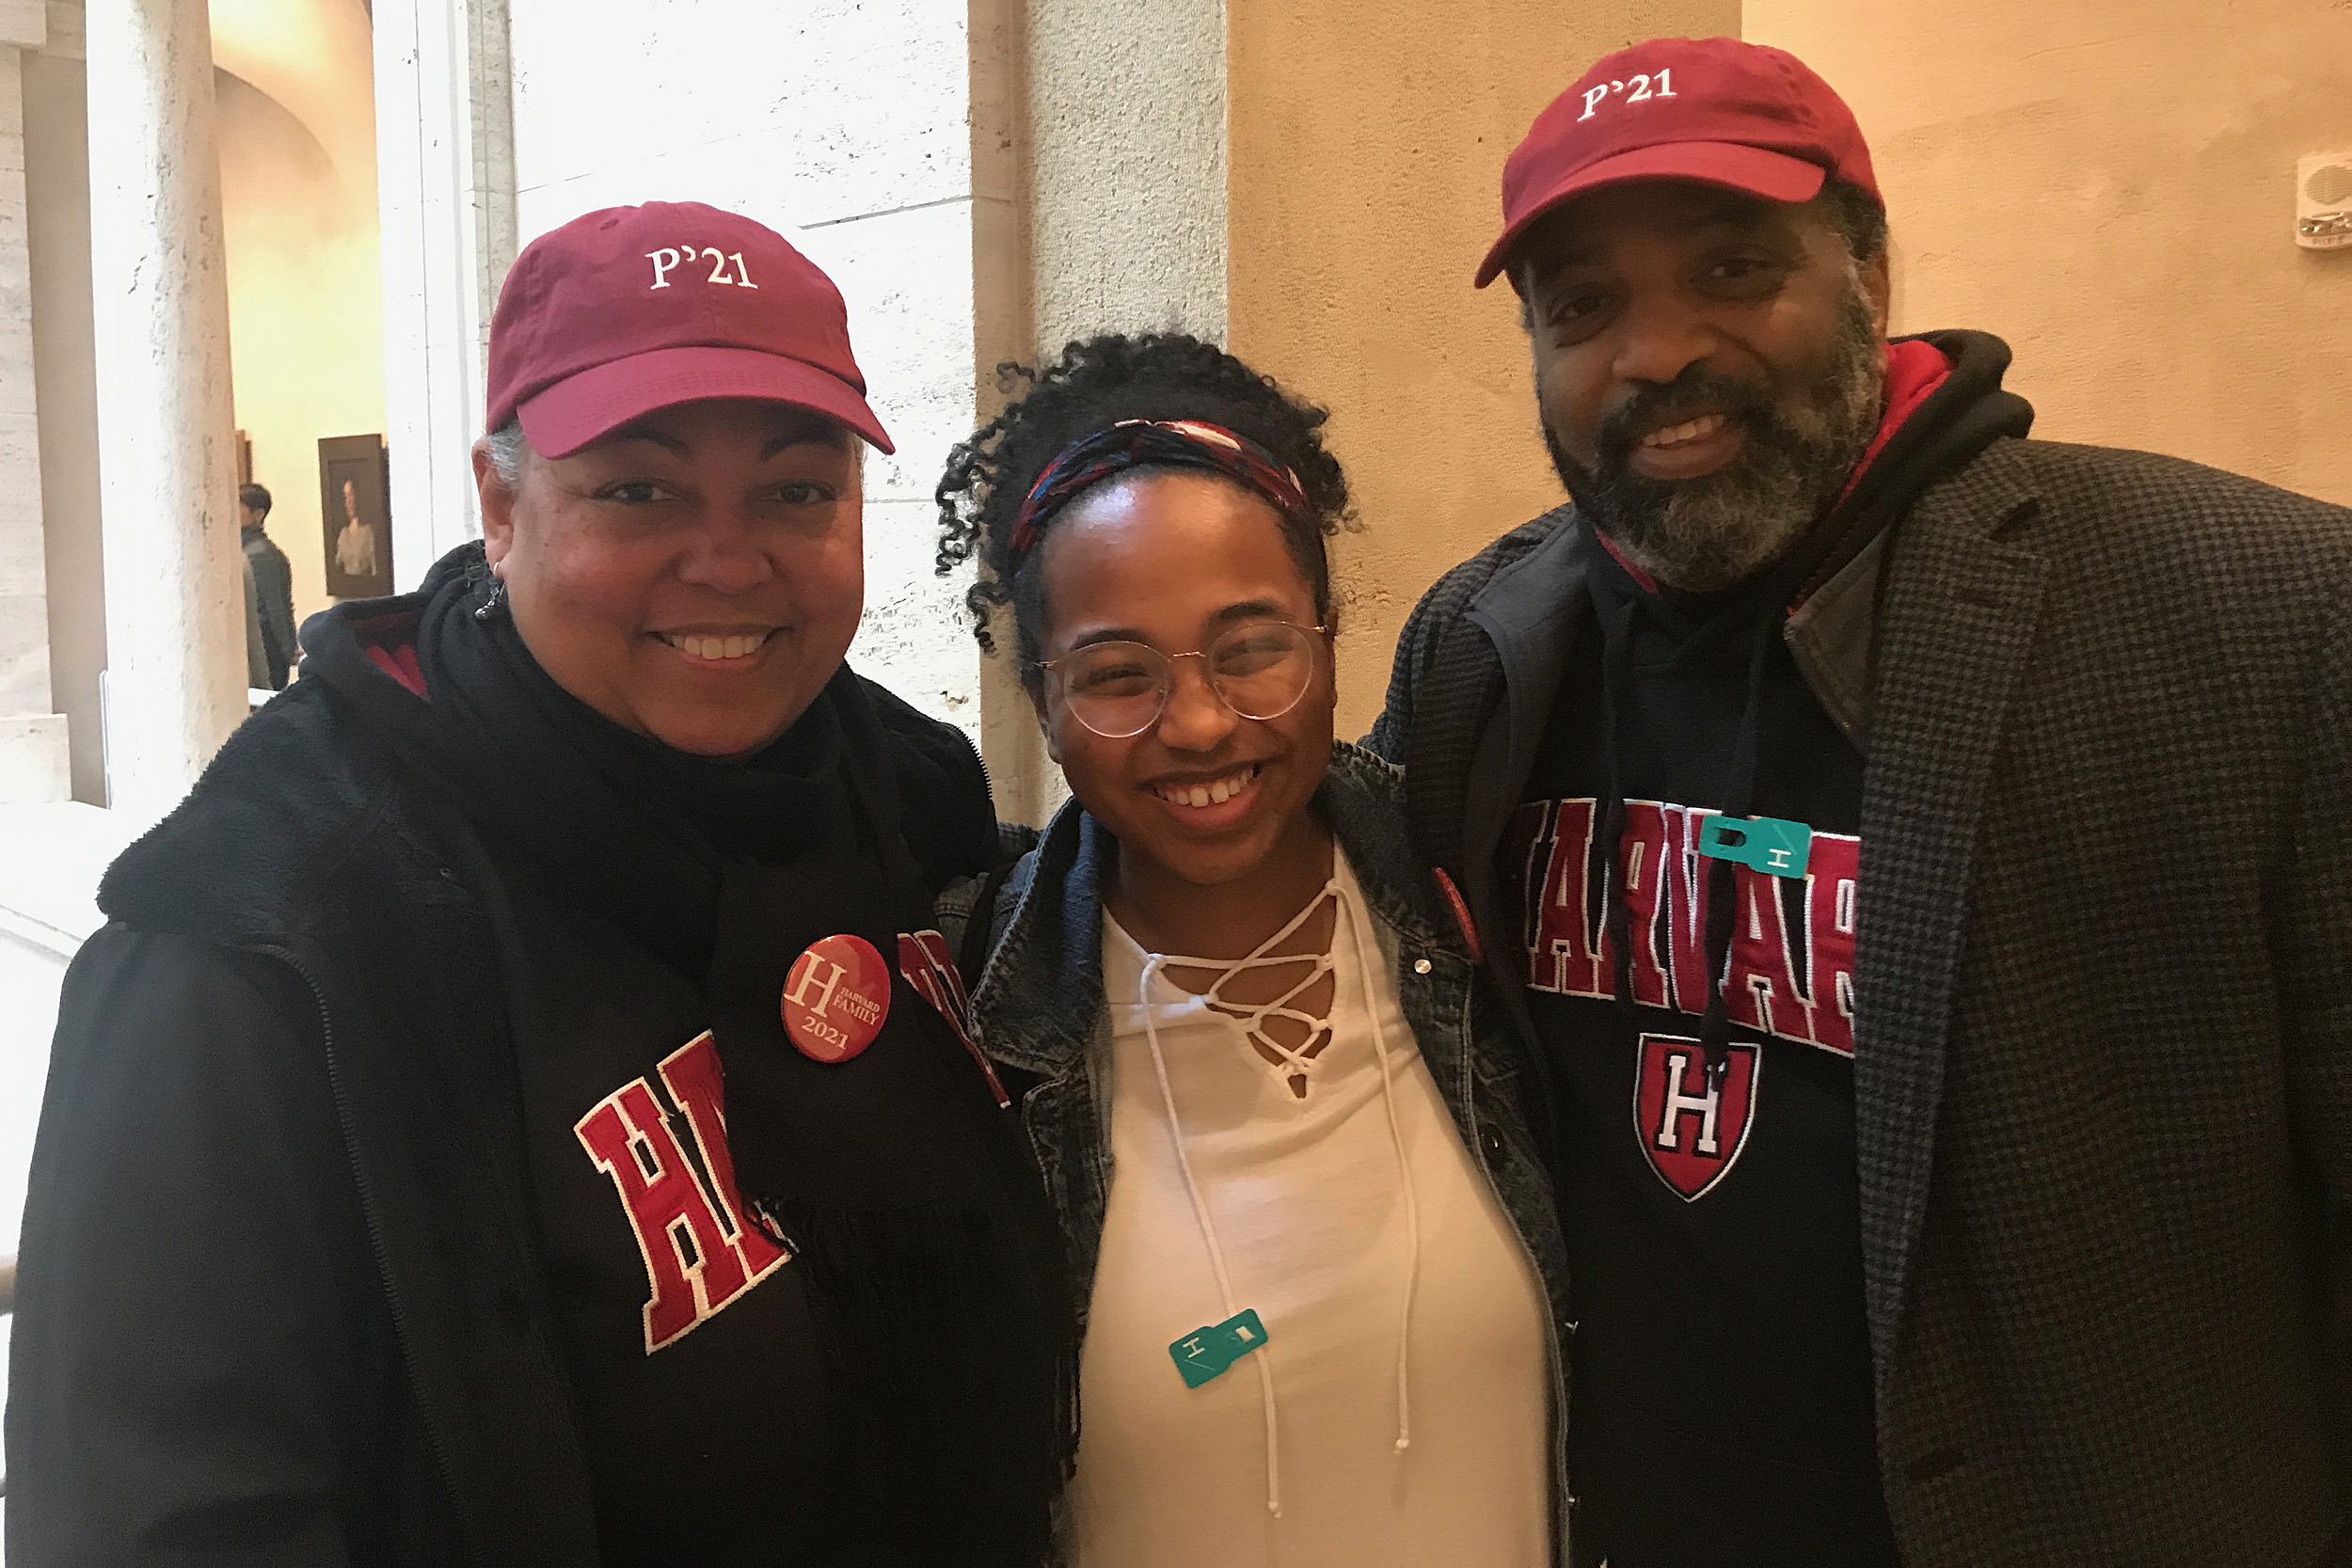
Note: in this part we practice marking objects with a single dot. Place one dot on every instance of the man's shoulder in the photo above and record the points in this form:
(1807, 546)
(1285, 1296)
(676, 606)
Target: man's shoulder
(2149, 568)
(2161, 531)
(1441, 607)
(2157, 494)
(1453, 593)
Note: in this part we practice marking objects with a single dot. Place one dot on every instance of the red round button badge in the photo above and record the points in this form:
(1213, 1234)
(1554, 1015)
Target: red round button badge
(835, 996)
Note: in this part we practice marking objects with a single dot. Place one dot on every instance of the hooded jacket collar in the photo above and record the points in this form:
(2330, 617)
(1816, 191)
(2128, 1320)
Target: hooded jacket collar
(297, 786)
(286, 801)
(1934, 425)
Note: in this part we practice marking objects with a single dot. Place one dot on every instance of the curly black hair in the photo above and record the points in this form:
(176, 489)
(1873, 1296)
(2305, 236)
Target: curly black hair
(1097, 383)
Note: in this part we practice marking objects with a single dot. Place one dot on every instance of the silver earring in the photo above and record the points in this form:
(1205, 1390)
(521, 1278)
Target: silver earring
(494, 604)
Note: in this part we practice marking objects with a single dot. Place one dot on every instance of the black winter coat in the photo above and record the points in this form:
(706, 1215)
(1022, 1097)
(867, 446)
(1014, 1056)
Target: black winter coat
(2103, 1046)
(279, 1297)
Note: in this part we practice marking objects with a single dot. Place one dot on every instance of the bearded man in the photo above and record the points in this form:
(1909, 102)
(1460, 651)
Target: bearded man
(1912, 860)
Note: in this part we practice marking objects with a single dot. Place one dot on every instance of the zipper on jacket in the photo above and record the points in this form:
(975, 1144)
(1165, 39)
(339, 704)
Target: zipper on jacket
(988, 782)
(985, 777)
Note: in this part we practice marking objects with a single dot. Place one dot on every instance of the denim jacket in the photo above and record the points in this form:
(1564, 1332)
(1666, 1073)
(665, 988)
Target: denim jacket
(1041, 1015)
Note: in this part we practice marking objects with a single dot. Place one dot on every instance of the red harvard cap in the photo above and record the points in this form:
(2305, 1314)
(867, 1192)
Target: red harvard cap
(633, 309)
(1715, 110)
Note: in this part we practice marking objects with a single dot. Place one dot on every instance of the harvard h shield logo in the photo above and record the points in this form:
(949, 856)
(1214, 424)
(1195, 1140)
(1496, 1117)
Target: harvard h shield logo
(1692, 1126)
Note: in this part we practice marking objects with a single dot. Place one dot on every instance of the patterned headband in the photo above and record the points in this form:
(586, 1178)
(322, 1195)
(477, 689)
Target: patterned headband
(1154, 443)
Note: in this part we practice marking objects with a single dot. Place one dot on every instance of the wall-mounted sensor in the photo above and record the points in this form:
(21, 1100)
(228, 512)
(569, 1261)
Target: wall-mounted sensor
(2323, 200)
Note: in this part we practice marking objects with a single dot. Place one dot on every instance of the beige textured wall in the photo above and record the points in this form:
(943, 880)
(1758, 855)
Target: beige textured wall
(2109, 184)
(1367, 140)
(65, 384)
(1126, 186)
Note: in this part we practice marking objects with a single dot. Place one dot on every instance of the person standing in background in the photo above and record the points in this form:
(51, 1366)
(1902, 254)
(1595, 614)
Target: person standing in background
(257, 664)
(272, 590)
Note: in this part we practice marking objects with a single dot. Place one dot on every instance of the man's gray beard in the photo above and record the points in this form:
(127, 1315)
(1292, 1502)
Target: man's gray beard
(1708, 533)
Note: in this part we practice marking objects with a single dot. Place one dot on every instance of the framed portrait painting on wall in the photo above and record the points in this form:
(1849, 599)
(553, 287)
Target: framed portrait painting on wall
(355, 500)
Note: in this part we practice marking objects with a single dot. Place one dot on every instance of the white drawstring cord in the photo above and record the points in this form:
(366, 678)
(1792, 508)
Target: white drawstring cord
(1208, 1233)
(1298, 1064)
(1405, 1175)
(1346, 910)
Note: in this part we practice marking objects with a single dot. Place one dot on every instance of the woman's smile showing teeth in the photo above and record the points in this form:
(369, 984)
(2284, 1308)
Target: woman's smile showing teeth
(1215, 792)
(715, 649)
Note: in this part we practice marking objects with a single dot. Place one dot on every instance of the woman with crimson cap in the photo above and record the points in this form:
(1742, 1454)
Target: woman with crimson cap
(517, 1111)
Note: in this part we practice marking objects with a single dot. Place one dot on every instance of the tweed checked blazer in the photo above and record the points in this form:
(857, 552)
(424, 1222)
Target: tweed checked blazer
(2102, 1064)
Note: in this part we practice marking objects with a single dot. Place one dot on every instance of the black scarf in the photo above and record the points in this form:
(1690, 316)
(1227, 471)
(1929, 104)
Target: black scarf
(910, 1204)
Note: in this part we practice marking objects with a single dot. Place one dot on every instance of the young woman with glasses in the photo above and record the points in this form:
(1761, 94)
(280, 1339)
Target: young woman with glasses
(1315, 1253)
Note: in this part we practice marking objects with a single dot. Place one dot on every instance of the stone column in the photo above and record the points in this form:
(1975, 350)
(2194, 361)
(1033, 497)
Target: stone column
(1127, 210)
(33, 757)
(175, 591)
(445, 183)
(1120, 228)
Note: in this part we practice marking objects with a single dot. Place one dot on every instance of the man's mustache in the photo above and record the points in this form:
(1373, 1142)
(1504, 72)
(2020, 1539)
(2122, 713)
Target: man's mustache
(1697, 390)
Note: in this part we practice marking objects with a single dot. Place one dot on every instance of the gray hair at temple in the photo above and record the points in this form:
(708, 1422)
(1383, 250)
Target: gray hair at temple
(506, 446)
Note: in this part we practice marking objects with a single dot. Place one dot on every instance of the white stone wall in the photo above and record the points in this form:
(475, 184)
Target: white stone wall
(65, 374)
(33, 757)
(1119, 172)
(445, 193)
(175, 682)
(846, 126)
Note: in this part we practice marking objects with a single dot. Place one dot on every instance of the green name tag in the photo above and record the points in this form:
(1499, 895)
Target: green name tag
(1768, 843)
(1207, 1352)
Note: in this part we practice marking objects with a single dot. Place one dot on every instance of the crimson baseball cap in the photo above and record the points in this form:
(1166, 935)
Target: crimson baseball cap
(626, 310)
(1715, 110)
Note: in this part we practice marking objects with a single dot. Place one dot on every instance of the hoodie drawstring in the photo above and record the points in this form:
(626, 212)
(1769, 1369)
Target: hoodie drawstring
(1404, 1176)
(1616, 623)
(1262, 1358)
(1722, 898)
(1616, 698)
(1248, 1025)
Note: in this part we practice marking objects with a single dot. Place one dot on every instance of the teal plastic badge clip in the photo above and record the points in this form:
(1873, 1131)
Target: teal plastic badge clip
(1771, 844)
(1207, 1352)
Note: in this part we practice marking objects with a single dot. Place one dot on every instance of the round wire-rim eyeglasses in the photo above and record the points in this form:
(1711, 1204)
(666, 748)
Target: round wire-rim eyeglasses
(1127, 698)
